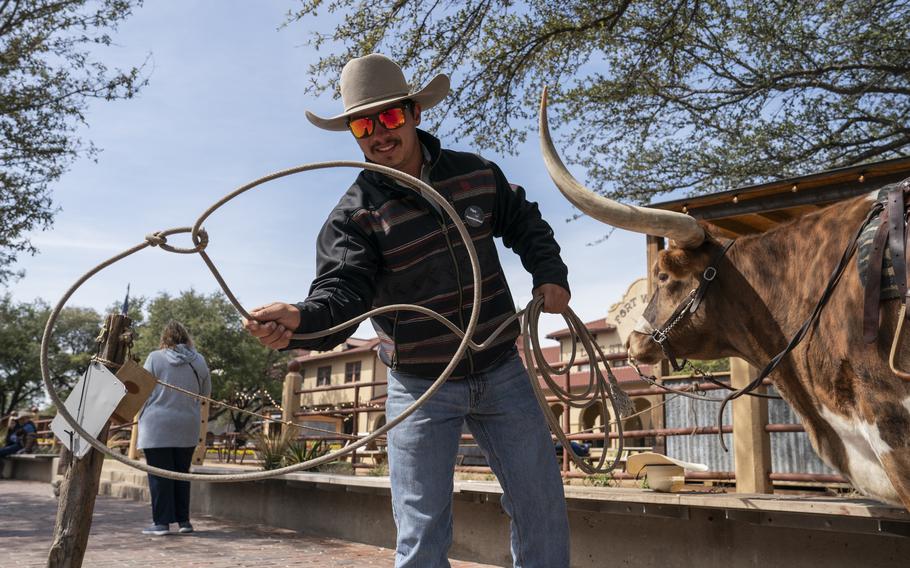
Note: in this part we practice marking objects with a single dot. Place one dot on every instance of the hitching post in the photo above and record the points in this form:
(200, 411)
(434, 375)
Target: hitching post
(80, 483)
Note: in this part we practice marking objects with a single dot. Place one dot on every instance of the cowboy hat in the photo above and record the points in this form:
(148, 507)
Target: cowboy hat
(664, 473)
(374, 81)
(637, 462)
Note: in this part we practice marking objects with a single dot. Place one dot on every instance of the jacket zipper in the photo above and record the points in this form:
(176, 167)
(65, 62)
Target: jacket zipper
(395, 342)
(445, 232)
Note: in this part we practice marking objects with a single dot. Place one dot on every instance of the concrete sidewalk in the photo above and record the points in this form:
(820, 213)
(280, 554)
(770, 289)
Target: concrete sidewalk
(26, 531)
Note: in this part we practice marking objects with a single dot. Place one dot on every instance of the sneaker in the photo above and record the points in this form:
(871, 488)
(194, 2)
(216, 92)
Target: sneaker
(185, 528)
(157, 530)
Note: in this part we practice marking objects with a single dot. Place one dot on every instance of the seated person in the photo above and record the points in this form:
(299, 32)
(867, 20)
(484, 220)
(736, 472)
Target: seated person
(21, 436)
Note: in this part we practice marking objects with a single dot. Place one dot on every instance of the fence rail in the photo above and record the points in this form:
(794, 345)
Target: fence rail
(354, 407)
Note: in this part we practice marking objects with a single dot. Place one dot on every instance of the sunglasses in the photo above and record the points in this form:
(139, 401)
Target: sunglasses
(390, 118)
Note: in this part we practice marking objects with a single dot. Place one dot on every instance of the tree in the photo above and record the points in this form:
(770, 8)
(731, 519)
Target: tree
(657, 95)
(241, 368)
(48, 75)
(69, 353)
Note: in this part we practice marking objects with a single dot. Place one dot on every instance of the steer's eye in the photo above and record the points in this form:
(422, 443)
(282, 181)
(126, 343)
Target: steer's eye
(663, 276)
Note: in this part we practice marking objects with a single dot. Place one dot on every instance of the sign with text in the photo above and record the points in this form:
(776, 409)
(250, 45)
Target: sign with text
(625, 313)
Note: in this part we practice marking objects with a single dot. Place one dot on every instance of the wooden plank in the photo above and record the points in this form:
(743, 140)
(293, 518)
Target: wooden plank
(873, 175)
(735, 226)
(780, 216)
(784, 201)
(654, 246)
(751, 443)
(199, 452)
(759, 222)
(134, 440)
(290, 400)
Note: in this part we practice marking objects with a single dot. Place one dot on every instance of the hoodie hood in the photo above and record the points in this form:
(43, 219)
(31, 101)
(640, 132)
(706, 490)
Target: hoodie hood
(181, 354)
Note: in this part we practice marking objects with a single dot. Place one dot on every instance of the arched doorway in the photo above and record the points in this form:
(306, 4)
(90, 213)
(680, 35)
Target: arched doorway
(592, 423)
(378, 423)
(640, 420)
(556, 409)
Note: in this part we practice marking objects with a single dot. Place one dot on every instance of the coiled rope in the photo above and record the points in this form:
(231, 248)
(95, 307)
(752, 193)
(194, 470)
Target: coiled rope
(597, 391)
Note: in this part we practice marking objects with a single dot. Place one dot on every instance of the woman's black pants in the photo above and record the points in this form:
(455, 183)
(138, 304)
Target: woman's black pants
(170, 498)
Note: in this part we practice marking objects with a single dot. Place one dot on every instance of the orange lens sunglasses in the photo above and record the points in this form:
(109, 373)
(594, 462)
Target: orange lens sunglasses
(390, 118)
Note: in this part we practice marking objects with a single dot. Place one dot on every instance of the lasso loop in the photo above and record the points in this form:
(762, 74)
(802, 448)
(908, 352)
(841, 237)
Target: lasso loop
(200, 239)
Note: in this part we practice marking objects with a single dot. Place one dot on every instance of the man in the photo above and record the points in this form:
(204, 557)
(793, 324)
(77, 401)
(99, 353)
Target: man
(21, 435)
(385, 244)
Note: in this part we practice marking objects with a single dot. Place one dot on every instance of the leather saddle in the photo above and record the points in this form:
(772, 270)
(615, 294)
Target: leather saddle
(891, 234)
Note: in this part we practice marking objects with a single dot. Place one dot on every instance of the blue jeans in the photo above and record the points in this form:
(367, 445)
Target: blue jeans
(9, 450)
(508, 425)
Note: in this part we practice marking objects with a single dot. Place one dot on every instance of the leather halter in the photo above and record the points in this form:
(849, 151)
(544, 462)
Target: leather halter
(686, 308)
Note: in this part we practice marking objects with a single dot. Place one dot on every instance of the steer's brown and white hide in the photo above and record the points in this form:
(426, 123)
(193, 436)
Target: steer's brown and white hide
(855, 410)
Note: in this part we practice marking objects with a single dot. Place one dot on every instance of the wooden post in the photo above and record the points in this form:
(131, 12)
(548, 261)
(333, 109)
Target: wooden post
(567, 426)
(199, 453)
(355, 418)
(654, 246)
(290, 401)
(751, 442)
(134, 440)
(80, 483)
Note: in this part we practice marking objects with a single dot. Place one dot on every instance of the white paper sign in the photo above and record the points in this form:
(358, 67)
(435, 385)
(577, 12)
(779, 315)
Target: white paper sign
(91, 403)
(626, 312)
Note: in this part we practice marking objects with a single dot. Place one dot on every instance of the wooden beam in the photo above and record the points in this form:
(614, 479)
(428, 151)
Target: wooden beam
(199, 452)
(735, 226)
(134, 440)
(825, 186)
(751, 443)
(758, 222)
(779, 216)
(290, 400)
(817, 196)
(654, 246)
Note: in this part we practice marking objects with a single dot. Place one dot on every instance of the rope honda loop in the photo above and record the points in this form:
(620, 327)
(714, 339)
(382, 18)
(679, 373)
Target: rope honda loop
(155, 239)
(200, 241)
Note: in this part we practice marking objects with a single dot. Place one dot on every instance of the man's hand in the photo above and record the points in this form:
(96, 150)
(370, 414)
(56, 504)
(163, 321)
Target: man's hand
(273, 324)
(555, 298)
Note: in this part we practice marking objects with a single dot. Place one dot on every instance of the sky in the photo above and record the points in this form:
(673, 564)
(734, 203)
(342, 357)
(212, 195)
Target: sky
(224, 106)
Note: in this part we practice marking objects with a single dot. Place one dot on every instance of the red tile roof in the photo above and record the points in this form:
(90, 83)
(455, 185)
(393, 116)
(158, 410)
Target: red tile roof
(593, 326)
(581, 378)
(355, 346)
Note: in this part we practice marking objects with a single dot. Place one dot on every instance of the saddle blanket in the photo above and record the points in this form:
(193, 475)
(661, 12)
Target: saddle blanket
(864, 249)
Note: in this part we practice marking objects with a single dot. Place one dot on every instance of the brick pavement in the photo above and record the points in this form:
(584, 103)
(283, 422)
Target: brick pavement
(26, 531)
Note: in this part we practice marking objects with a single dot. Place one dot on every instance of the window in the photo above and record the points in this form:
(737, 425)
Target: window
(323, 376)
(352, 372)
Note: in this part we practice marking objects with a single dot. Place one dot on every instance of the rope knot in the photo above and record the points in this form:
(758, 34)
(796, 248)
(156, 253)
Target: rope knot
(203, 240)
(155, 239)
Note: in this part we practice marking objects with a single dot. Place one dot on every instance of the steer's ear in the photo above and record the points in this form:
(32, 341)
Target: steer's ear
(677, 262)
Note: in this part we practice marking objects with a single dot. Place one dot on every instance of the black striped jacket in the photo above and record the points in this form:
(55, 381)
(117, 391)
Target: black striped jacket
(385, 244)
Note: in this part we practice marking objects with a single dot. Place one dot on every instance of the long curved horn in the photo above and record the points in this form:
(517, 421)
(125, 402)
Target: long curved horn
(677, 226)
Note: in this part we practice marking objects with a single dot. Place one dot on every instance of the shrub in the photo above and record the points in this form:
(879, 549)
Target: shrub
(271, 450)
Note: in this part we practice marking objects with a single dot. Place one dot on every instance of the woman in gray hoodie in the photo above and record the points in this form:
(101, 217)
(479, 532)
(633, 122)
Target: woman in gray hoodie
(169, 425)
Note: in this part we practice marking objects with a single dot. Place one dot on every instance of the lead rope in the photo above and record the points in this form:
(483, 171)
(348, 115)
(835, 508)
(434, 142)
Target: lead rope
(201, 240)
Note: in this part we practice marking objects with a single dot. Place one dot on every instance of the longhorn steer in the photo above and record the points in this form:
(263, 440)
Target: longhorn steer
(855, 410)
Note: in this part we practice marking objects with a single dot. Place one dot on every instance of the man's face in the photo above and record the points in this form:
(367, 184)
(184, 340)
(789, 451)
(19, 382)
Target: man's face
(399, 148)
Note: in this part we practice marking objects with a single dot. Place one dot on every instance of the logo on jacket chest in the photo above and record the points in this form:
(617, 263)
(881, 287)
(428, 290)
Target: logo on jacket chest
(473, 216)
